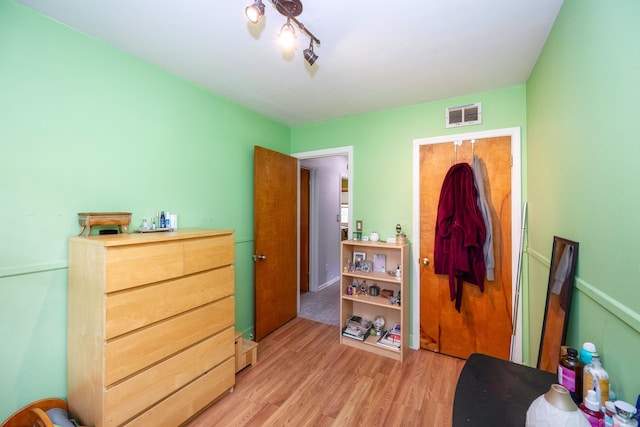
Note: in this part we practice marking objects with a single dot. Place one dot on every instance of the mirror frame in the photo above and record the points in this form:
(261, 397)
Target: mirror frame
(553, 320)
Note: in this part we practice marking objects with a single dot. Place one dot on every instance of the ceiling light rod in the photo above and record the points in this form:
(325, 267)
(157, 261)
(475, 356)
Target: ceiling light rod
(303, 28)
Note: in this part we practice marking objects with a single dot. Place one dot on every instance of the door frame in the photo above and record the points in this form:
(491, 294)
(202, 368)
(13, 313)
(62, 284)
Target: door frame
(301, 215)
(313, 228)
(516, 218)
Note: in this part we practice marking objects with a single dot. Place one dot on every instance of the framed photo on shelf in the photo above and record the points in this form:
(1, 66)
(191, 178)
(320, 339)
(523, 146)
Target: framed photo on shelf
(367, 266)
(380, 263)
(358, 259)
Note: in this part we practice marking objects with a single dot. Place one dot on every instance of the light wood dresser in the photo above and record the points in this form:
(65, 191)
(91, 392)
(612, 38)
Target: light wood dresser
(150, 326)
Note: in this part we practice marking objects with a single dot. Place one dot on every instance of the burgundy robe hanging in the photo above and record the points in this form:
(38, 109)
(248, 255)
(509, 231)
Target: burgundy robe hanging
(460, 232)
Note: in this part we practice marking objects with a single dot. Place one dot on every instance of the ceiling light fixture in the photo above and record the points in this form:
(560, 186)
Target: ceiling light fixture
(290, 9)
(309, 54)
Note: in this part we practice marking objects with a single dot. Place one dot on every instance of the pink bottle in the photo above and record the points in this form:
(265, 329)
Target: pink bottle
(590, 407)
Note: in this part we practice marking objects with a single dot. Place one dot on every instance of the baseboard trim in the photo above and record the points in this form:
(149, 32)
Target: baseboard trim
(329, 283)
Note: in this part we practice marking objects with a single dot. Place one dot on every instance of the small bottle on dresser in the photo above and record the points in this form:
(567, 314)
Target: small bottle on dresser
(597, 379)
(570, 374)
(609, 412)
(591, 409)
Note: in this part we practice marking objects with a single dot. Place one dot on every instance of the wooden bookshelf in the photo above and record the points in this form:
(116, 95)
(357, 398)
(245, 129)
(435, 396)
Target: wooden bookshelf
(369, 307)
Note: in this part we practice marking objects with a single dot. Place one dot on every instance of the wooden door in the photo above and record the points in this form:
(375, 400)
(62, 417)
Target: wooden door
(275, 240)
(483, 324)
(305, 175)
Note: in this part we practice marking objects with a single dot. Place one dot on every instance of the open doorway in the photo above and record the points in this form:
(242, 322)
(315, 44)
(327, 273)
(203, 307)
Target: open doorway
(329, 218)
(344, 208)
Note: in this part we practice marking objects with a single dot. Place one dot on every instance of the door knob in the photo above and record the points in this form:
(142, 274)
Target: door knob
(425, 261)
(259, 257)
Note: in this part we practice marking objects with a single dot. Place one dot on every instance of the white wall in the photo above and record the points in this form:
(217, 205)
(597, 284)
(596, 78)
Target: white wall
(324, 239)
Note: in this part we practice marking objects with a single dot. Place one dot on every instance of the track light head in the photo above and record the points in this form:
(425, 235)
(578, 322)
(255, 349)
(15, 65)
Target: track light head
(310, 55)
(255, 11)
(287, 36)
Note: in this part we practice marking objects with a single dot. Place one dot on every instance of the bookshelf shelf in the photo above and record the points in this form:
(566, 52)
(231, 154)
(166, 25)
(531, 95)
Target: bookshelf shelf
(367, 306)
(380, 301)
(381, 277)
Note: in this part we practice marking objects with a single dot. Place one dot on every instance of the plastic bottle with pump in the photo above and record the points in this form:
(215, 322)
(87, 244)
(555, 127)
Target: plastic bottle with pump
(597, 379)
(570, 372)
(591, 409)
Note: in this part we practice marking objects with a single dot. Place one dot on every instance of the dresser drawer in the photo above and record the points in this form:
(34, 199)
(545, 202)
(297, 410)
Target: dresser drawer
(206, 253)
(130, 310)
(130, 353)
(136, 394)
(131, 266)
(181, 406)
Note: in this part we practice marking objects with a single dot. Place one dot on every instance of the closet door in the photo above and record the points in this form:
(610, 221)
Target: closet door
(483, 324)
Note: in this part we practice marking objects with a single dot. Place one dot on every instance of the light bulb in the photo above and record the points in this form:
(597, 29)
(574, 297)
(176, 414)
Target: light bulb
(287, 36)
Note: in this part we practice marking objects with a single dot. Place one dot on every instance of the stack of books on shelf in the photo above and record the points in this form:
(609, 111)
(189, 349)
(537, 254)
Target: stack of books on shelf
(357, 328)
(391, 338)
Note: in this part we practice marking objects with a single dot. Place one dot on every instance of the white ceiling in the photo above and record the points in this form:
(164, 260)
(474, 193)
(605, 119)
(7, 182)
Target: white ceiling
(374, 54)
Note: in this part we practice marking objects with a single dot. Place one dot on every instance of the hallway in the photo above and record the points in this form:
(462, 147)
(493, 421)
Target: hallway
(322, 306)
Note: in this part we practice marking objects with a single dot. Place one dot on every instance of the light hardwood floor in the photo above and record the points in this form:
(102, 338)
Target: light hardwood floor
(305, 377)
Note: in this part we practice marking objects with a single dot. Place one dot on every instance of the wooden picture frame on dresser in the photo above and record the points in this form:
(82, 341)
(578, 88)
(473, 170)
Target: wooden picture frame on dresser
(150, 326)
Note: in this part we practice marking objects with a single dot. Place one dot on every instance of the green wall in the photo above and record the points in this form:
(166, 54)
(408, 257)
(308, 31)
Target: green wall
(583, 157)
(85, 127)
(383, 149)
(383, 153)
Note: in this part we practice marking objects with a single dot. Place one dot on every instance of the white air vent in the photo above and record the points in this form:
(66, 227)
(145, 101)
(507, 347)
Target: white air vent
(464, 115)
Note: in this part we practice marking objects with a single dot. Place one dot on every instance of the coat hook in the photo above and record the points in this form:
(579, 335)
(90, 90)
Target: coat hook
(456, 143)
